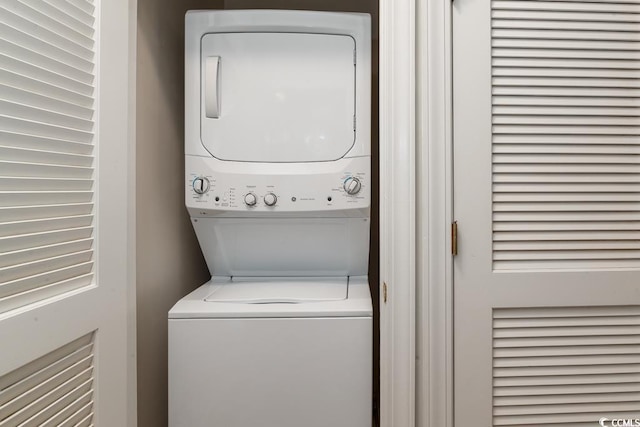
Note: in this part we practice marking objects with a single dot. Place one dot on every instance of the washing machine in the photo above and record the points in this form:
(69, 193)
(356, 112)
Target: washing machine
(278, 184)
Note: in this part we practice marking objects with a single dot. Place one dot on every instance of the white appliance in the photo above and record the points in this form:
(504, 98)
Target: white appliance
(277, 158)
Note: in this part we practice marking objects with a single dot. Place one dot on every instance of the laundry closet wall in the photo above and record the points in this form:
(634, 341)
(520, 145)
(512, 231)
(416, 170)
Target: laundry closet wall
(169, 261)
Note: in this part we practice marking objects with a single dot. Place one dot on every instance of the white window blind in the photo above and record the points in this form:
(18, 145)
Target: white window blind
(47, 78)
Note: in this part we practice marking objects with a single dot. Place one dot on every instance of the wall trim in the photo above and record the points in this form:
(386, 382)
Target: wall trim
(397, 213)
(434, 169)
(132, 360)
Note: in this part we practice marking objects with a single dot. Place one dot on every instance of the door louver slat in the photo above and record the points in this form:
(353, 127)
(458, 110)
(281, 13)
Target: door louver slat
(67, 90)
(47, 95)
(80, 408)
(59, 11)
(46, 102)
(11, 139)
(34, 281)
(36, 239)
(44, 252)
(39, 225)
(592, 371)
(43, 47)
(77, 69)
(47, 291)
(575, 6)
(51, 390)
(16, 72)
(566, 128)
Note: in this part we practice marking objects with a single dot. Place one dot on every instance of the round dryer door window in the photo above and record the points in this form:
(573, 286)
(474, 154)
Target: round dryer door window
(277, 97)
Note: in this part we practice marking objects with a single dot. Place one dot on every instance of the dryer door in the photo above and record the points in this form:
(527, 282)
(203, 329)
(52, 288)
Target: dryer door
(277, 97)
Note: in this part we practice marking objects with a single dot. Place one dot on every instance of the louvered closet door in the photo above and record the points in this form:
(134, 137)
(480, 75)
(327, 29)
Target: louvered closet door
(63, 207)
(547, 198)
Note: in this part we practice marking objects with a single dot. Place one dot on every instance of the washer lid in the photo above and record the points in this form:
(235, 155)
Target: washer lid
(279, 290)
(277, 97)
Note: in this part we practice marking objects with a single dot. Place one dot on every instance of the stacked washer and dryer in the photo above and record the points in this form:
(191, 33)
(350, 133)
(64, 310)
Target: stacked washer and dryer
(277, 159)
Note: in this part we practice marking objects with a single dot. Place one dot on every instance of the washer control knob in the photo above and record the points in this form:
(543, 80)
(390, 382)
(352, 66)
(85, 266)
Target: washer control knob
(270, 199)
(250, 199)
(201, 185)
(352, 185)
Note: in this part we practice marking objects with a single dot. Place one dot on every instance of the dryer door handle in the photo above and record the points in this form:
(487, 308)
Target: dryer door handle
(212, 87)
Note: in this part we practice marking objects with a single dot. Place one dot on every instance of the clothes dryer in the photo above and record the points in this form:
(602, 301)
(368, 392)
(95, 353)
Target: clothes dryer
(278, 184)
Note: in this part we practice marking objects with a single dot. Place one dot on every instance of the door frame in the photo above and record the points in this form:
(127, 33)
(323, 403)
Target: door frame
(416, 306)
(116, 207)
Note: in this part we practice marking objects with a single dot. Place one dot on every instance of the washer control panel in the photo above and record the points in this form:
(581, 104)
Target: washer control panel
(269, 192)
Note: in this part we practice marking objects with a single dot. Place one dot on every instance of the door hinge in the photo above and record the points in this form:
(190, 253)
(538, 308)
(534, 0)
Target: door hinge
(454, 238)
(384, 292)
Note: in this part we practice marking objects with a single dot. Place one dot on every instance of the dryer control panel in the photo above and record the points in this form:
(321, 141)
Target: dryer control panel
(213, 185)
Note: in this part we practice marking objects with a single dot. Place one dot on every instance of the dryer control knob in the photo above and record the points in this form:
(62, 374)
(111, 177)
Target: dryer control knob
(201, 185)
(352, 185)
(250, 199)
(270, 199)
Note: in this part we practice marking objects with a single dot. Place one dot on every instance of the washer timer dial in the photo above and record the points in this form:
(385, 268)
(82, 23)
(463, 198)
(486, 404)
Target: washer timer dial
(270, 199)
(250, 199)
(201, 185)
(352, 185)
